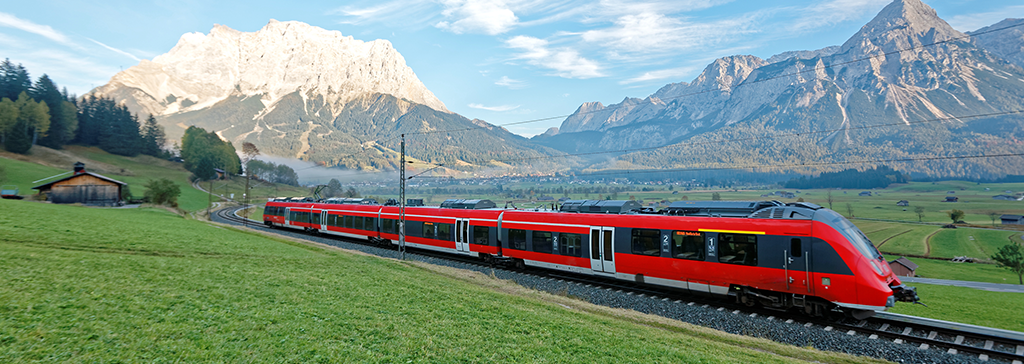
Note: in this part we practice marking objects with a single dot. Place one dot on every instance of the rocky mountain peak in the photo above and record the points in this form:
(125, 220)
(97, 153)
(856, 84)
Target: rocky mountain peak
(280, 59)
(1005, 39)
(902, 24)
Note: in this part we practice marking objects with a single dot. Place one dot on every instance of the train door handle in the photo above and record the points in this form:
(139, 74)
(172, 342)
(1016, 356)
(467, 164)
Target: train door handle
(790, 260)
(790, 279)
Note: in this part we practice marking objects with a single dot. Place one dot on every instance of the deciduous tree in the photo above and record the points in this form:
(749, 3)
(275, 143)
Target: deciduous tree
(1011, 256)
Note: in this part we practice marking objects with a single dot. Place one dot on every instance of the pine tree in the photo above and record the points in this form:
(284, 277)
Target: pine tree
(122, 135)
(61, 129)
(13, 80)
(153, 138)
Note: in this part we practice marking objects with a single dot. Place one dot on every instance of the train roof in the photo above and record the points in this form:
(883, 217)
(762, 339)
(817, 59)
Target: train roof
(468, 204)
(600, 206)
(718, 208)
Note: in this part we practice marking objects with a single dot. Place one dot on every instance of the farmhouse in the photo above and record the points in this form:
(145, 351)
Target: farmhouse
(1004, 198)
(864, 193)
(903, 203)
(1012, 219)
(951, 199)
(83, 187)
(903, 267)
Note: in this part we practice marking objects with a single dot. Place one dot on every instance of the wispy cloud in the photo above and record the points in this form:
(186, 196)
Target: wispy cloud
(115, 50)
(971, 22)
(510, 83)
(833, 12)
(406, 12)
(500, 108)
(491, 17)
(566, 62)
(11, 21)
(650, 32)
(661, 75)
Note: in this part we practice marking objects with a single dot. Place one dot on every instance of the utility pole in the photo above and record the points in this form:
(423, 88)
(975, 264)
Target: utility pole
(401, 203)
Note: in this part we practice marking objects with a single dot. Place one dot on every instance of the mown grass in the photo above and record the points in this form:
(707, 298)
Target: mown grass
(977, 243)
(975, 272)
(902, 241)
(101, 285)
(967, 305)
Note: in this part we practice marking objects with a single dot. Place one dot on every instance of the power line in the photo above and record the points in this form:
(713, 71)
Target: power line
(795, 165)
(743, 83)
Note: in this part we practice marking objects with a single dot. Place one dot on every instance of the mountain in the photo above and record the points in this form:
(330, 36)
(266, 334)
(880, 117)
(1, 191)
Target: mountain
(1004, 39)
(905, 86)
(301, 91)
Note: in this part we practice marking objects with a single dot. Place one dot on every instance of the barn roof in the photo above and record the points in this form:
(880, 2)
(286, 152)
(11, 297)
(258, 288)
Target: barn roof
(102, 177)
(905, 262)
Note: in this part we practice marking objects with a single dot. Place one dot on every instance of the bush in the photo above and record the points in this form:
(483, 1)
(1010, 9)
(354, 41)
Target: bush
(163, 191)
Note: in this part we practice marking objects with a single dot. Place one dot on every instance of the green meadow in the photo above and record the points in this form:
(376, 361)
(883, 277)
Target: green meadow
(80, 284)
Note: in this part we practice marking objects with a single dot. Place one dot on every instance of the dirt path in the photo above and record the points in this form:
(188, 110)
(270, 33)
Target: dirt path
(928, 243)
(890, 238)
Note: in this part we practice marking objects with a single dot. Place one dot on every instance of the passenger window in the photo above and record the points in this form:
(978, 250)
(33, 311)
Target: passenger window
(444, 232)
(688, 245)
(429, 230)
(357, 222)
(542, 242)
(316, 218)
(794, 247)
(481, 235)
(570, 244)
(737, 249)
(370, 223)
(348, 222)
(517, 239)
(645, 242)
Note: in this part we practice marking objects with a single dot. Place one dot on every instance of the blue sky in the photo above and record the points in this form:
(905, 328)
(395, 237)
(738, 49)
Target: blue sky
(503, 61)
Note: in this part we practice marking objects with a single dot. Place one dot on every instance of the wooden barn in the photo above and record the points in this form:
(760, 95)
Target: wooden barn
(83, 187)
(903, 267)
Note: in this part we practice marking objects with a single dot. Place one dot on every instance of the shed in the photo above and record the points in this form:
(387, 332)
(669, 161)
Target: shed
(1004, 198)
(951, 199)
(1012, 219)
(903, 267)
(903, 203)
(864, 193)
(83, 187)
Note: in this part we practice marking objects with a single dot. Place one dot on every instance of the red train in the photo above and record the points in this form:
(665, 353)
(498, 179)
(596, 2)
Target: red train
(796, 255)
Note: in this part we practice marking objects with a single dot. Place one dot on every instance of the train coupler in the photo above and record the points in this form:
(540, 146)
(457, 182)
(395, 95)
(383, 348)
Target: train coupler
(903, 293)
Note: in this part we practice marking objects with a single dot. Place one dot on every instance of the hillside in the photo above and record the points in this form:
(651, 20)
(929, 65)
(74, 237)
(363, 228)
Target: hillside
(906, 86)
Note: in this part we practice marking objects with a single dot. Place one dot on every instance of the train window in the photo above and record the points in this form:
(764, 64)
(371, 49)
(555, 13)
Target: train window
(316, 218)
(542, 242)
(737, 249)
(357, 222)
(517, 239)
(429, 230)
(794, 247)
(570, 244)
(347, 222)
(481, 235)
(688, 245)
(645, 242)
(388, 226)
(444, 231)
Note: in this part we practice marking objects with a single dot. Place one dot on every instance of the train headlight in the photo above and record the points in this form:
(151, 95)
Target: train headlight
(878, 269)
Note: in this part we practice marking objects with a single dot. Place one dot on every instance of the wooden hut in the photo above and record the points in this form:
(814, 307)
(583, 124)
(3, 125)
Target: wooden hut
(83, 187)
(903, 267)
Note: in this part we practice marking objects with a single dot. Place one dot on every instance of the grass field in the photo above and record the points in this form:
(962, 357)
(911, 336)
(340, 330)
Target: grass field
(967, 305)
(82, 284)
(135, 171)
(976, 272)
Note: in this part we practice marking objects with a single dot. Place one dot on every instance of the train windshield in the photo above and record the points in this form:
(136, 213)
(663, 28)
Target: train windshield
(850, 231)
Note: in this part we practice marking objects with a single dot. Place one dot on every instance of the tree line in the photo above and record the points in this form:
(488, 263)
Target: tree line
(40, 113)
(881, 176)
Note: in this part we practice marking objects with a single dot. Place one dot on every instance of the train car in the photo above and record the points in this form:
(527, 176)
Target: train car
(468, 227)
(795, 255)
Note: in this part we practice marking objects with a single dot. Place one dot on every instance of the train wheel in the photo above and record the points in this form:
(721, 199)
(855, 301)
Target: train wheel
(748, 301)
(859, 314)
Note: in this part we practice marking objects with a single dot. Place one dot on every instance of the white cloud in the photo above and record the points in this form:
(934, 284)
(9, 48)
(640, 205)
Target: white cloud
(500, 108)
(566, 62)
(491, 17)
(833, 12)
(971, 22)
(650, 32)
(510, 83)
(399, 12)
(661, 75)
(12, 21)
(115, 50)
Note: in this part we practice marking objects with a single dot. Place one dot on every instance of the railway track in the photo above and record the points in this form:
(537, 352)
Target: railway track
(973, 343)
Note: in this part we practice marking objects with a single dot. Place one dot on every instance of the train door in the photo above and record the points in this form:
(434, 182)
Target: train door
(796, 261)
(462, 235)
(602, 256)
